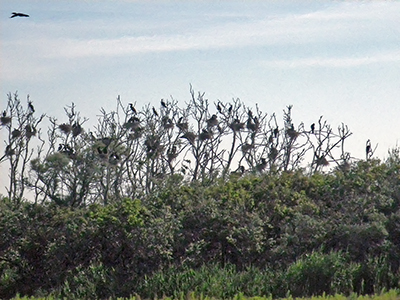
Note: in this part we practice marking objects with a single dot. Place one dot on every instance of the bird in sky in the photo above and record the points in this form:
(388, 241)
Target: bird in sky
(15, 14)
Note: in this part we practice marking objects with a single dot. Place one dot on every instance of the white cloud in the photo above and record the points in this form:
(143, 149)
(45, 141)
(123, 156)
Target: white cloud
(334, 26)
(329, 26)
(335, 62)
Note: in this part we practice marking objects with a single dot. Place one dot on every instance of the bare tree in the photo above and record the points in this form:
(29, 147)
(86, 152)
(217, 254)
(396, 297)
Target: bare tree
(134, 152)
(22, 127)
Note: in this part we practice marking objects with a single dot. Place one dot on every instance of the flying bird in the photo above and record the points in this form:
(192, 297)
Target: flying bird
(15, 14)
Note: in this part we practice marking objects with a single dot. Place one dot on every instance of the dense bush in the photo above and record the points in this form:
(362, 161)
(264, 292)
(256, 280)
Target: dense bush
(259, 235)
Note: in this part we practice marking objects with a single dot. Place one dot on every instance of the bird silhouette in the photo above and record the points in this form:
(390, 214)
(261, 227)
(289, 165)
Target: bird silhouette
(250, 125)
(30, 106)
(368, 149)
(219, 108)
(163, 104)
(15, 14)
(30, 131)
(312, 128)
(132, 108)
(276, 131)
(238, 172)
(155, 112)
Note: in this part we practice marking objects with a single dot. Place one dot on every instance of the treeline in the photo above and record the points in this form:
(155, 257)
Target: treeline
(266, 234)
(214, 199)
(130, 153)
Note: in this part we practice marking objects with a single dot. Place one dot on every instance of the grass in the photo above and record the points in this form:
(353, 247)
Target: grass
(390, 295)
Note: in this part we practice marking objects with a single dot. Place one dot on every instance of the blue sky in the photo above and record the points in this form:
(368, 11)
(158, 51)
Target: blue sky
(339, 59)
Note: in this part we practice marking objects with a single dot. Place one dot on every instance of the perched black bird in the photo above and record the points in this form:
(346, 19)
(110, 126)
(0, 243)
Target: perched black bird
(230, 108)
(163, 104)
(30, 106)
(15, 14)
(312, 128)
(250, 125)
(368, 149)
(238, 172)
(132, 108)
(276, 131)
(30, 131)
(155, 112)
(219, 108)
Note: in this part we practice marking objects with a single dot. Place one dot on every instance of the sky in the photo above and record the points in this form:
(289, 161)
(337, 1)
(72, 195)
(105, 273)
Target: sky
(339, 59)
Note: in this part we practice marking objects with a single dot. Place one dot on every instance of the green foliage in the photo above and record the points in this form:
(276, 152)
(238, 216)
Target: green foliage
(320, 273)
(270, 234)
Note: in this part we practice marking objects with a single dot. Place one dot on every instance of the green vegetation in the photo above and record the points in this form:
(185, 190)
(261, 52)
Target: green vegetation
(271, 234)
(391, 295)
